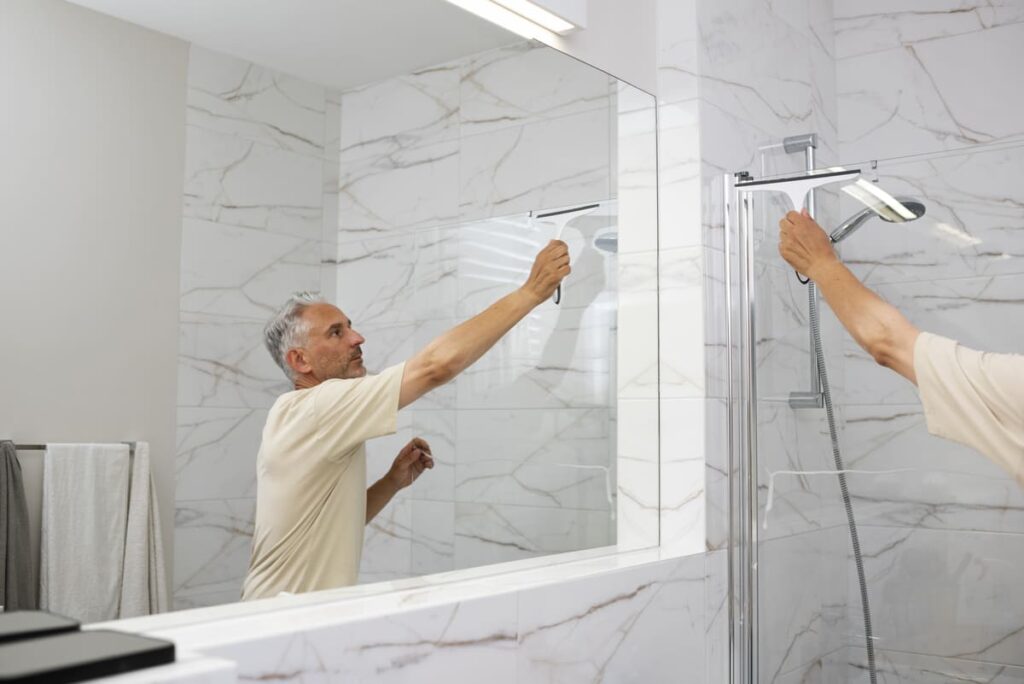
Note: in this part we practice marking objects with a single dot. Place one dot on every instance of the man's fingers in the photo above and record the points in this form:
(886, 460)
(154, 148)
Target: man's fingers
(412, 457)
(421, 444)
(406, 450)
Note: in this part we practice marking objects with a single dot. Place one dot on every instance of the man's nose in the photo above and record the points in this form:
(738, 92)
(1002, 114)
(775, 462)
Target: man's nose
(359, 338)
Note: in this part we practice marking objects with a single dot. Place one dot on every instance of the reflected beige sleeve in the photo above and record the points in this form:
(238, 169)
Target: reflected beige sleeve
(975, 398)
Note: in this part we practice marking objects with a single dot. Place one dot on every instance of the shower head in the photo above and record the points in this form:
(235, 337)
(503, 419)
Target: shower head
(607, 242)
(915, 210)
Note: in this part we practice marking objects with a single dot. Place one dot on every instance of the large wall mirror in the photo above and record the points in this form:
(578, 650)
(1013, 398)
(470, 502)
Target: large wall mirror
(174, 171)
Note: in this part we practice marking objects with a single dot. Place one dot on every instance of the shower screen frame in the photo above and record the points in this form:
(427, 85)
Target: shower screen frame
(739, 192)
(742, 442)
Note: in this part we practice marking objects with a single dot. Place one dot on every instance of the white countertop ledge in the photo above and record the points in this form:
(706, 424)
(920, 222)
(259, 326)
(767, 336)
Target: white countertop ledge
(207, 628)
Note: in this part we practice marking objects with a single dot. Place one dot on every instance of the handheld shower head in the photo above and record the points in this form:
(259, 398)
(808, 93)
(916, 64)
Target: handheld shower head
(608, 242)
(850, 225)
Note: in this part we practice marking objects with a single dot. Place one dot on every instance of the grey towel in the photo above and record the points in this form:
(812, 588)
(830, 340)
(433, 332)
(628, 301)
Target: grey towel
(85, 514)
(143, 585)
(17, 591)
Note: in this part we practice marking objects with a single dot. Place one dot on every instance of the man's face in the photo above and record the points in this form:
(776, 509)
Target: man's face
(332, 349)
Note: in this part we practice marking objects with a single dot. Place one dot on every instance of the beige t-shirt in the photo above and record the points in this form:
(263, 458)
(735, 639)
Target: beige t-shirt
(311, 483)
(974, 398)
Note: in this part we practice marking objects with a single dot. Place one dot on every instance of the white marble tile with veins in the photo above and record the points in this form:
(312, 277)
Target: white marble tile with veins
(864, 26)
(440, 643)
(637, 342)
(546, 458)
(937, 95)
(636, 472)
(499, 174)
(219, 278)
(212, 544)
(377, 281)
(682, 475)
(399, 192)
(412, 110)
(802, 606)
(216, 452)
(239, 182)
(945, 486)
(234, 96)
(597, 629)
(947, 593)
(222, 362)
(486, 534)
(525, 83)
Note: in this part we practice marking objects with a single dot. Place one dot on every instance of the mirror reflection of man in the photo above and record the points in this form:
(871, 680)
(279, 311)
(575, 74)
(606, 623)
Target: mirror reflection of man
(312, 503)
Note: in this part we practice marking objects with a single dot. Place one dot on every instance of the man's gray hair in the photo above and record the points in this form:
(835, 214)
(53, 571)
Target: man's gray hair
(287, 329)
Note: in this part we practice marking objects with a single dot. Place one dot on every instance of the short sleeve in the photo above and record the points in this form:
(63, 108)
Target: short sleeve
(972, 397)
(349, 412)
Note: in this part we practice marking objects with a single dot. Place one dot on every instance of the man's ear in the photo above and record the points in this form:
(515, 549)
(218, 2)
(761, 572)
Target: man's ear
(296, 358)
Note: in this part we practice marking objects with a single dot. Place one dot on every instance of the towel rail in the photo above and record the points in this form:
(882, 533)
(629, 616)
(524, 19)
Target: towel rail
(42, 447)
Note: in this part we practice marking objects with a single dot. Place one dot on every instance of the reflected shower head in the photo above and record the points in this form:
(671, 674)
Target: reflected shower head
(847, 227)
(608, 242)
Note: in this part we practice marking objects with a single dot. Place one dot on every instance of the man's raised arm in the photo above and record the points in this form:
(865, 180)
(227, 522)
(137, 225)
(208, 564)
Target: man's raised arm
(454, 351)
(877, 326)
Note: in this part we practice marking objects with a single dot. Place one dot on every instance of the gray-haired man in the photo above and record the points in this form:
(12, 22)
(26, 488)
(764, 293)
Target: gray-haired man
(311, 500)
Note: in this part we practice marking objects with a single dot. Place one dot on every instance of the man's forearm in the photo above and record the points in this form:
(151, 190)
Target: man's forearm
(463, 345)
(378, 496)
(877, 326)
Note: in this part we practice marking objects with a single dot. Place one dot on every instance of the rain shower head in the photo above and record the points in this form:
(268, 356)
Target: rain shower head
(608, 242)
(915, 210)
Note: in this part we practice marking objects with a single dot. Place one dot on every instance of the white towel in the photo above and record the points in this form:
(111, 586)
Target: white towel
(85, 512)
(143, 586)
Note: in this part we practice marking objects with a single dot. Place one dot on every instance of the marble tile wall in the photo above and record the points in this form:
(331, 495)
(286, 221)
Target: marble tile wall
(258, 220)
(928, 84)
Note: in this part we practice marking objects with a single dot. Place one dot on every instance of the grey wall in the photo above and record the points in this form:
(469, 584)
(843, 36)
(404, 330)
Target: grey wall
(93, 137)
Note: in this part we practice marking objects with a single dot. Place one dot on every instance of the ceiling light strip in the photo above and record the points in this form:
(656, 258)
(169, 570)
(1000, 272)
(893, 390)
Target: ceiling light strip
(507, 19)
(537, 15)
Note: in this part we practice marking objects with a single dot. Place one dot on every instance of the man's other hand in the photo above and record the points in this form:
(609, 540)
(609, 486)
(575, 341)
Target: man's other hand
(804, 244)
(410, 463)
(549, 268)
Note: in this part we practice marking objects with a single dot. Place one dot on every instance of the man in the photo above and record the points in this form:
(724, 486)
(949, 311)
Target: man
(311, 500)
(970, 397)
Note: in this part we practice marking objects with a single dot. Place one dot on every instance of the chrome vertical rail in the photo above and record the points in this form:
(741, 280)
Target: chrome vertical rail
(738, 643)
(748, 382)
(742, 354)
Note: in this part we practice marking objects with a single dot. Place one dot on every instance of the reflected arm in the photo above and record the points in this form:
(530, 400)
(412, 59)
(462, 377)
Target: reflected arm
(456, 350)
